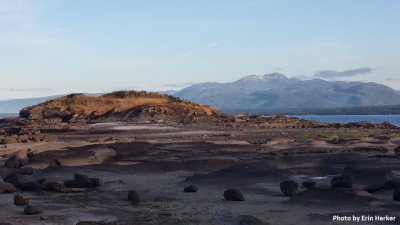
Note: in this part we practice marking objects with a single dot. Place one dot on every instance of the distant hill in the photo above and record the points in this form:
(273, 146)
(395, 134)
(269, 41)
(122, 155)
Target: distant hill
(276, 91)
(13, 106)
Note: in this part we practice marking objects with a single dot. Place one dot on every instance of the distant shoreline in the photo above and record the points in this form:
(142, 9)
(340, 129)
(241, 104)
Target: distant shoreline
(364, 110)
(5, 115)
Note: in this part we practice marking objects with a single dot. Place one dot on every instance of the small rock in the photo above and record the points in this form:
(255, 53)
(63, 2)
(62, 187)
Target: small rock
(133, 196)
(289, 188)
(396, 195)
(32, 210)
(191, 188)
(342, 181)
(397, 150)
(20, 200)
(30, 154)
(233, 195)
(309, 184)
(6, 188)
(55, 162)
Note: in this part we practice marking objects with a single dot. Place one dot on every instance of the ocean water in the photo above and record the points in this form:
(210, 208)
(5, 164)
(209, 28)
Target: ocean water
(4, 115)
(393, 119)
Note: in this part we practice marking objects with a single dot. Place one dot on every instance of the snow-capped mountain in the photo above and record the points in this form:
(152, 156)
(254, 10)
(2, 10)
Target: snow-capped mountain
(276, 91)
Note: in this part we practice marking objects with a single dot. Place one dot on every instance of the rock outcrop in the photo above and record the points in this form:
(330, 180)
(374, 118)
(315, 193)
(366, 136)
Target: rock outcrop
(119, 106)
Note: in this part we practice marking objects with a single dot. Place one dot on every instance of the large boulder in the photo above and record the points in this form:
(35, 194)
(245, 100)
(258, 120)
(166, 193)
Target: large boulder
(6, 188)
(342, 181)
(233, 195)
(83, 181)
(289, 188)
(392, 179)
(15, 179)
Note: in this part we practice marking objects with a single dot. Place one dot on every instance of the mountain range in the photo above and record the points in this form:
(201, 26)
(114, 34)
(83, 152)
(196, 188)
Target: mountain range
(276, 91)
(268, 92)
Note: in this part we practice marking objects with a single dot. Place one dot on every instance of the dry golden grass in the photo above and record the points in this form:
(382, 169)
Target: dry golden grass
(118, 102)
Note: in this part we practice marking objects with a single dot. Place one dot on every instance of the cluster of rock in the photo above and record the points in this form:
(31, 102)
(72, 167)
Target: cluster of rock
(16, 181)
(280, 121)
(291, 187)
(391, 181)
(16, 130)
(229, 195)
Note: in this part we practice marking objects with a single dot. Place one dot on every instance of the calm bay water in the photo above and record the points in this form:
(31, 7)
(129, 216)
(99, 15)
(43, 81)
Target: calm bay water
(393, 119)
(4, 115)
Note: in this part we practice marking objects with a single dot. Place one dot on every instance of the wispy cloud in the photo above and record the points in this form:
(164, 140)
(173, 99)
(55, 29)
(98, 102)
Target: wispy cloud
(21, 29)
(26, 89)
(329, 74)
(212, 45)
(179, 85)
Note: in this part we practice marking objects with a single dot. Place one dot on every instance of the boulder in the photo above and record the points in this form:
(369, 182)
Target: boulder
(15, 179)
(309, 184)
(233, 195)
(342, 181)
(20, 200)
(32, 210)
(396, 195)
(55, 186)
(83, 181)
(133, 196)
(392, 179)
(191, 188)
(289, 188)
(6, 188)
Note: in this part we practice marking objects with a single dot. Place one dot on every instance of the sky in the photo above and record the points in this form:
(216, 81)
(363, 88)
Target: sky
(50, 47)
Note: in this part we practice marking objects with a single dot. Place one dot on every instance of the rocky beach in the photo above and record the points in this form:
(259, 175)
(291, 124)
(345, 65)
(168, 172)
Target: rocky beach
(167, 161)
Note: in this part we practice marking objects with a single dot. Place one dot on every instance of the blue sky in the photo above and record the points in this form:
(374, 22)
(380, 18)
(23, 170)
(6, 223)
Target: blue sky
(60, 46)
